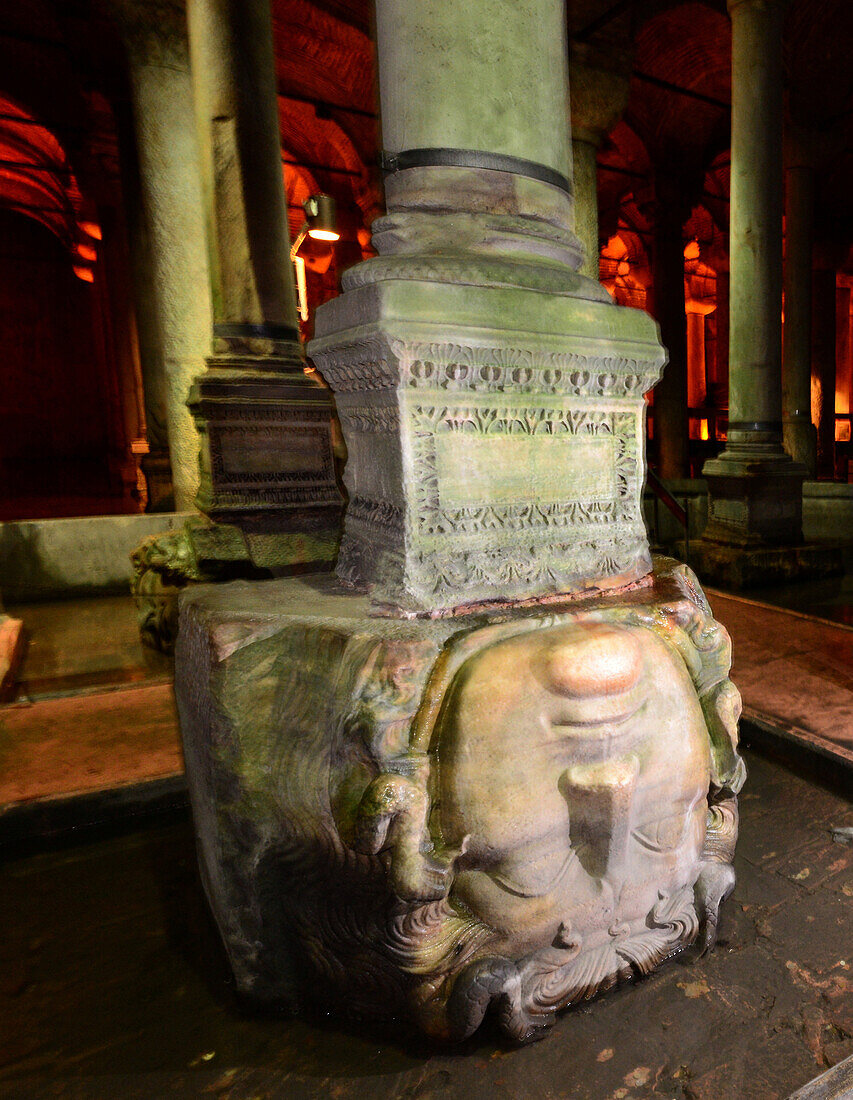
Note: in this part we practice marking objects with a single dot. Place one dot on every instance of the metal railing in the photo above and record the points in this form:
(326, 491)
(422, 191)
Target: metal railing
(660, 494)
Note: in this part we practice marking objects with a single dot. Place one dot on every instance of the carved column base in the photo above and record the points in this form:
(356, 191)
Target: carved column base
(511, 810)
(267, 465)
(496, 454)
(755, 497)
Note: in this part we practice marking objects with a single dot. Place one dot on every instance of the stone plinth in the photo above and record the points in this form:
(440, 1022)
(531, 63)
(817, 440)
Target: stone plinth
(496, 454)
(742, 567)
(266, 458)
(514, 809)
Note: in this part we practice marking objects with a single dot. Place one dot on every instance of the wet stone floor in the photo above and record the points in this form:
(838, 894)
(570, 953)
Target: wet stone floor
(113, 985)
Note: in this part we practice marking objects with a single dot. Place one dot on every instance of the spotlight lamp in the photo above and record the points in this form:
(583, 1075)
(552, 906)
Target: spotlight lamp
(320, 224)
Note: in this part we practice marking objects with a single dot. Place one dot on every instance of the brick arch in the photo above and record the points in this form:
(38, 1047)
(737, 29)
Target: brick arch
(325, 150)
(38, 181)
(687, 44)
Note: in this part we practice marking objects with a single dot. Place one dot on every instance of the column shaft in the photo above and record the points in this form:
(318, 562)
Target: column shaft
(670, 400)
(823, 369)
(421, 66)
(697, 381)
(799, 433)
(755, 334)
(237, 108)
(171, 193)
(586, 203)
(721, 365)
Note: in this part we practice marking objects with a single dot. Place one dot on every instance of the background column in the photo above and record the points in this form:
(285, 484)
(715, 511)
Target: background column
(799, 433)
(599, 95)
(267, 469)
(171, 192)
(755, 490)
(234, 79)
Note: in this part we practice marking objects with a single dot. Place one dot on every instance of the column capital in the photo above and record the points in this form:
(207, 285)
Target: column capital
(154, 31)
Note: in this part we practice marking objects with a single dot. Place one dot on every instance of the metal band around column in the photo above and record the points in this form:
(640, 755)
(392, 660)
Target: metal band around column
(473, 158)
(755, 426)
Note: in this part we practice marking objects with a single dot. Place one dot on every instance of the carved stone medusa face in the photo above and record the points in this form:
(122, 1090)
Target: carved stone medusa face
(573, 768)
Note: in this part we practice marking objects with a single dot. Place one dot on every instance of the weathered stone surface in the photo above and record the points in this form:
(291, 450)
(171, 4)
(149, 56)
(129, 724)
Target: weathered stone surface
(44, 559)
(740, 567)
(516, 808)
(266, 460)
(172, 191)
(498, 454)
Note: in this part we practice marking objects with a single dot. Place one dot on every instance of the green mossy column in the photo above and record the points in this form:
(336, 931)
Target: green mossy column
(489, 393)
(171, 194)
(237, 109)
(490, 75)
(755, 489)
(267, 469)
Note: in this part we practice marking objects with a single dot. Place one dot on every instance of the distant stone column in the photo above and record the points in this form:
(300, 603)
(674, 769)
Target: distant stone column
(823, 346)
(599, 94)
(799, 433)
(670, 399)
(155, 34)
(490, 394)
(267, 467)
(755, 490)
(697, 372)
(251, 277)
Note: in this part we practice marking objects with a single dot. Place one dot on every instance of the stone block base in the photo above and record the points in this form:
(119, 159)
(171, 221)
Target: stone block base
(740, 567)
(496, 455)
(201, 551)
(513, 809)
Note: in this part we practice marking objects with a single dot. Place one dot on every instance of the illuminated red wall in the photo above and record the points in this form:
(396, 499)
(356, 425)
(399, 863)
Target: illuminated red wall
(54, 418)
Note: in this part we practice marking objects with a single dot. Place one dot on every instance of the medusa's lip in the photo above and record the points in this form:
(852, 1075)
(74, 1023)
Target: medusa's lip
(599, 717)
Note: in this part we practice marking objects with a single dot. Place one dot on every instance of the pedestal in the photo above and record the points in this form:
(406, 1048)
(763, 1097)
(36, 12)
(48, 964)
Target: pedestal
(513, 809)
(266, 459)
(498, 454)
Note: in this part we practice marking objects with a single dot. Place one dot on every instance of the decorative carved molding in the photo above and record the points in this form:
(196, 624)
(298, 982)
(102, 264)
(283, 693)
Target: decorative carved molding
(379, 362)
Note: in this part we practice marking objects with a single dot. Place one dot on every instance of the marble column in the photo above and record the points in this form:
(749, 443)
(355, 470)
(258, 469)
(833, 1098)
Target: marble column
(234, 80)
(755, 489)
(697, 371)
(799, 433)
(599, 95)
(670, 398)
(823, 347)
(476, 295)
(455, 770)
(267, 466)
(155, 34)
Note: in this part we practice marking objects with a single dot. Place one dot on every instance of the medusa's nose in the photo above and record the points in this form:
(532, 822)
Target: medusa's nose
(599, 798)
(595, 660)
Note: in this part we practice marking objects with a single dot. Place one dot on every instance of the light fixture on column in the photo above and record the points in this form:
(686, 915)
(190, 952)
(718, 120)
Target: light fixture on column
(320, 224)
